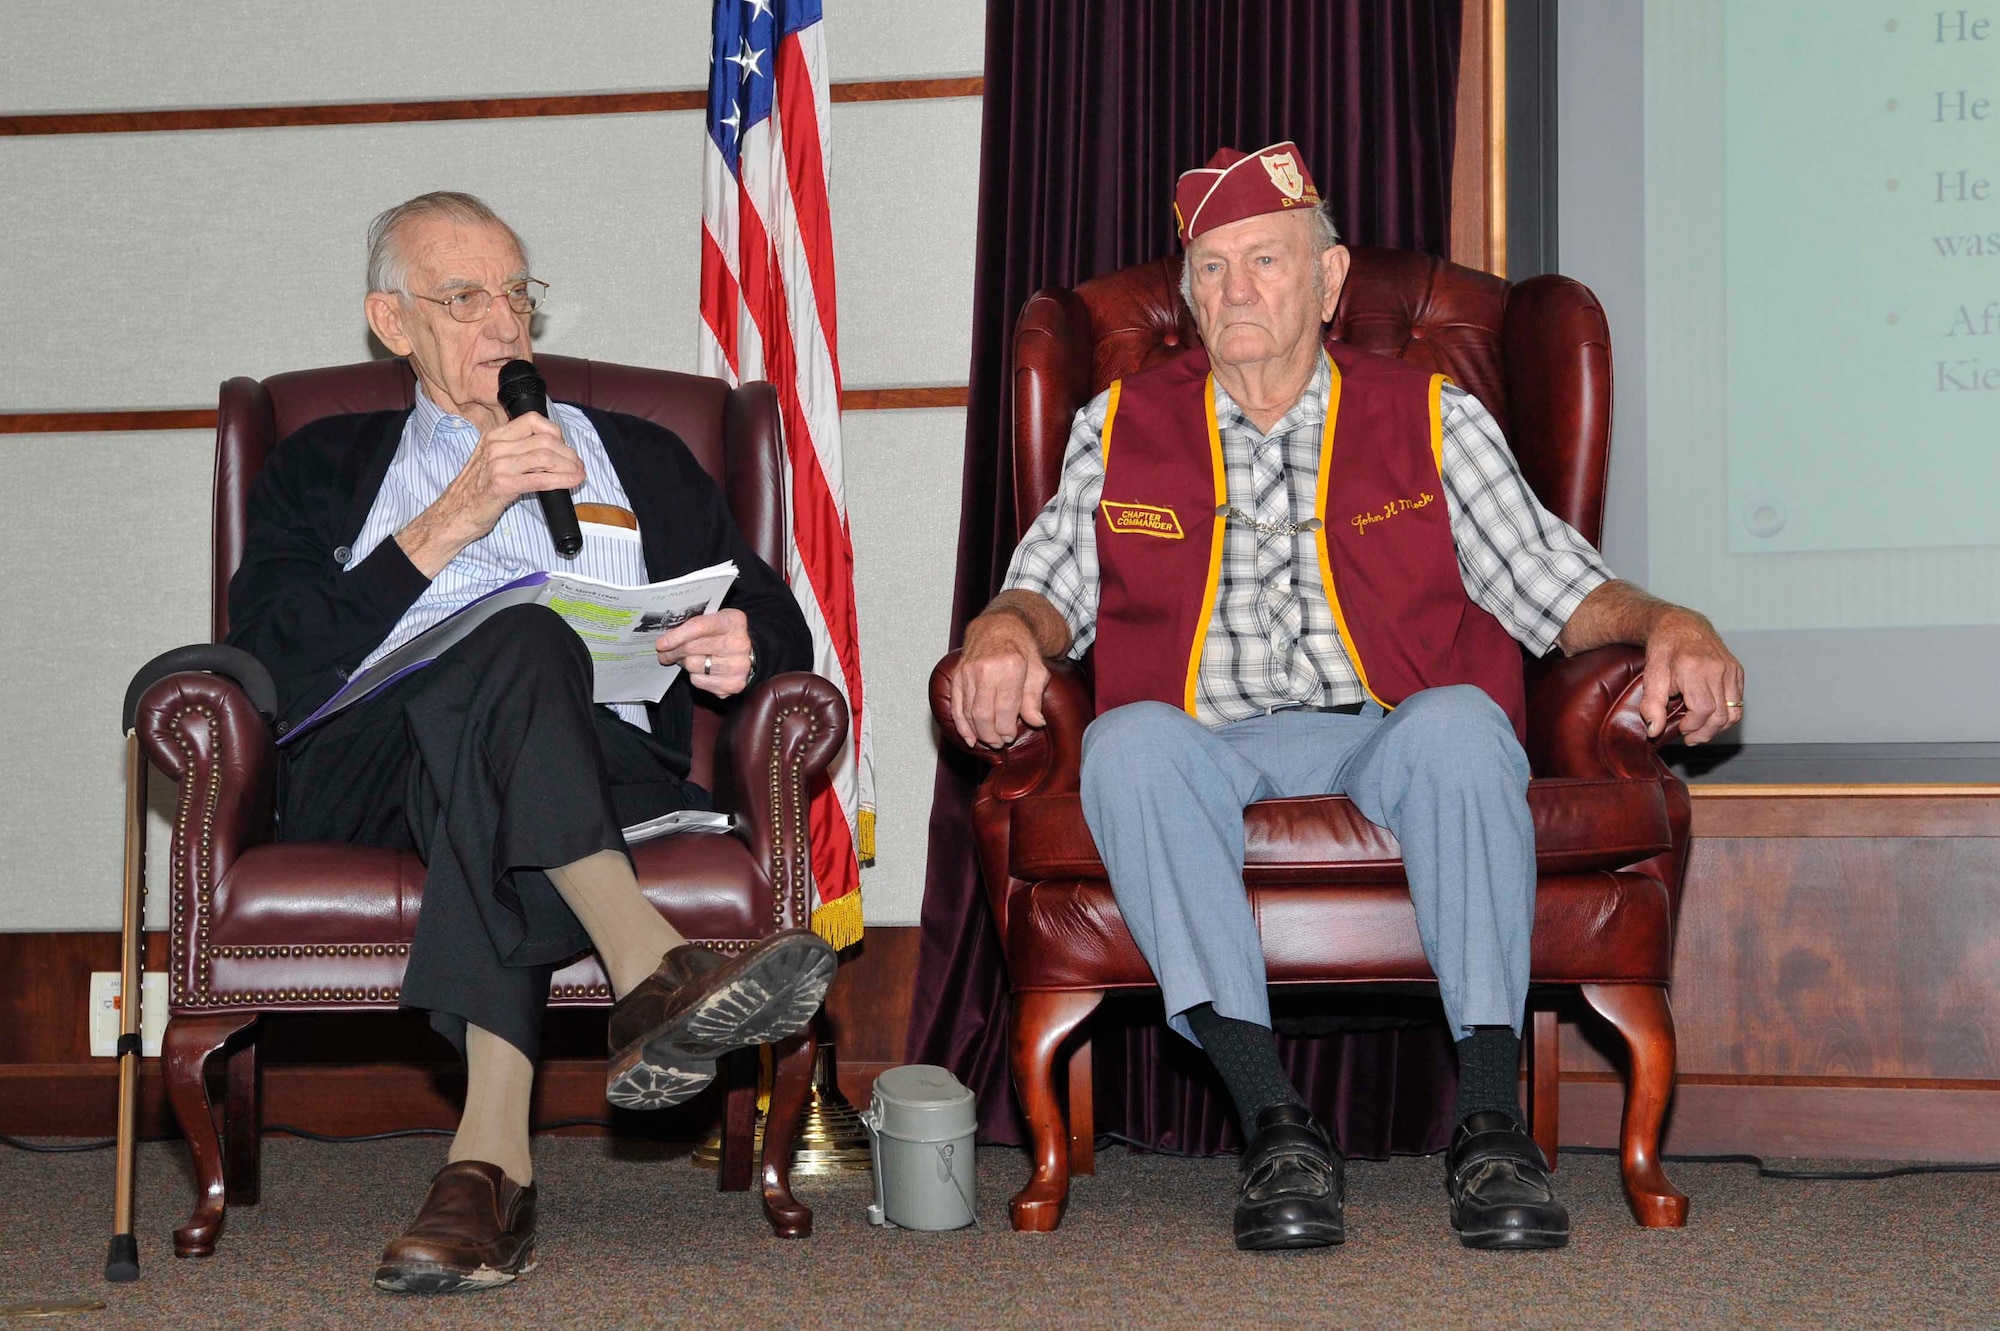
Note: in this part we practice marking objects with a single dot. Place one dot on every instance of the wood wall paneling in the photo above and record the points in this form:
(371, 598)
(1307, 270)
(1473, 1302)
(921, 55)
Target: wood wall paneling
(366, 1073)
(1837, 994)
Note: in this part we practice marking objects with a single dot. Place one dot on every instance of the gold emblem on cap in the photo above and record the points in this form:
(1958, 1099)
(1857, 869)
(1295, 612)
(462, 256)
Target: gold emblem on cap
(1283, 169)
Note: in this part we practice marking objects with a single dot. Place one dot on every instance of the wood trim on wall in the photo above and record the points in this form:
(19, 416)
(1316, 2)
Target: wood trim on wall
(1479, 155)
(1780, 812)
(472, 108)
(197, 418)
(103, 422)
(1496, 137)
(1469, 239)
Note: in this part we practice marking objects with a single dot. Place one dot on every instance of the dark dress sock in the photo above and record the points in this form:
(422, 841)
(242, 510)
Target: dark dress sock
(1489, 1072)
(1246, 1055)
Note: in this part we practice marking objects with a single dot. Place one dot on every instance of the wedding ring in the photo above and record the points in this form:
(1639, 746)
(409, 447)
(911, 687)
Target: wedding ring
(1738, 705)
(707, 665)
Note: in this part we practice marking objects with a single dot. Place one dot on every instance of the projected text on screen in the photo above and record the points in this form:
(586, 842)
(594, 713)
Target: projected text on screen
(1862, 211)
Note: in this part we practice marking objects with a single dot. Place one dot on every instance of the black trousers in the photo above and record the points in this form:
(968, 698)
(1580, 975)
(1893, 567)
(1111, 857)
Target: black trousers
(492, 764)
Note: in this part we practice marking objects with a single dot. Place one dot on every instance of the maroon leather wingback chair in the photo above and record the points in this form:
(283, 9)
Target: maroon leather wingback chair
(1611, 822)
(261, 926)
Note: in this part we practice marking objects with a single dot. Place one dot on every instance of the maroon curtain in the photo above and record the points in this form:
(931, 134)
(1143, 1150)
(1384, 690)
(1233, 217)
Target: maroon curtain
(1091, 112)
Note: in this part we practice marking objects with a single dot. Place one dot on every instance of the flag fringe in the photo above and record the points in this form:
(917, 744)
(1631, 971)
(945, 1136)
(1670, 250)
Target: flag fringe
(839, 920)
(864, 836)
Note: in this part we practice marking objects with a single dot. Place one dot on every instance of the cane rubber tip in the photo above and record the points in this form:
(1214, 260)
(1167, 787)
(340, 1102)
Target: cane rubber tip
(123, 1263)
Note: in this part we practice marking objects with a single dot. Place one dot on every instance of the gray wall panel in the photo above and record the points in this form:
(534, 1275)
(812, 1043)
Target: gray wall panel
(905, 204)
(109, 569)
(163, 263)
(60, 55)
(902, 497)
(1600, 130)
(157, 264)
(160, 264)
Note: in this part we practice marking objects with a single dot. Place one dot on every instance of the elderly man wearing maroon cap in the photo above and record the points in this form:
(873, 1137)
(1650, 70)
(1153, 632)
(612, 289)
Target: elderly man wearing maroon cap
(1305, 569)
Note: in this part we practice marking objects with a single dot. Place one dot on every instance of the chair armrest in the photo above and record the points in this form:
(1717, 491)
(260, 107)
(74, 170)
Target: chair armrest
(211, 658)
(1583, 716)
(784, 733)
(203, 731)
(1048, 761)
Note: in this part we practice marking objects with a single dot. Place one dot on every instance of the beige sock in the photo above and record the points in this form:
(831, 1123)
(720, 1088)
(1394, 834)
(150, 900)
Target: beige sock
(630, 936)
(499, 1082)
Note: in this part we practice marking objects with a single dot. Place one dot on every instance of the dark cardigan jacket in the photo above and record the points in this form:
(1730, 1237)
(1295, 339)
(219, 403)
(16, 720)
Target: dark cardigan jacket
(293, 606)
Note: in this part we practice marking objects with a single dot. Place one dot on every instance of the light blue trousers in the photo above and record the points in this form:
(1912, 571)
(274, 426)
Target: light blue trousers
(1164, 796)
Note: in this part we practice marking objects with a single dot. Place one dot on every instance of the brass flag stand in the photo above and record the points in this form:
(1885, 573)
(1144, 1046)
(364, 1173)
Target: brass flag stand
(830, 1139)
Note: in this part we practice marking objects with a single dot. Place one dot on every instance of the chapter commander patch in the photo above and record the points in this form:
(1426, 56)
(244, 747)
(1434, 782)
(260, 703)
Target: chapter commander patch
(1142, 520)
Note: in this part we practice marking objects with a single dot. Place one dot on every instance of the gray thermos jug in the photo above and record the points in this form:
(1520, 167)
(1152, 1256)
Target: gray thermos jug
(920, 1128)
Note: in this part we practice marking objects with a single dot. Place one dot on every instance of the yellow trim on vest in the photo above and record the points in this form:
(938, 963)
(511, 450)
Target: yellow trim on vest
(1319, 503)
(1110, 414)
(1438, 381)
(1217, 531)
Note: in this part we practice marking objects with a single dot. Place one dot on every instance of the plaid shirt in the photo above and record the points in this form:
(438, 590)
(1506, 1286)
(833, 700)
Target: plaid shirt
(1272, 639)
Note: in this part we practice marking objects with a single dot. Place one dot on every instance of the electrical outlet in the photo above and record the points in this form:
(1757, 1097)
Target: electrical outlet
(106, 1018)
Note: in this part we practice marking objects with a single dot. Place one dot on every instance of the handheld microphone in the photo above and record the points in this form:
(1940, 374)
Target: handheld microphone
(522, 391)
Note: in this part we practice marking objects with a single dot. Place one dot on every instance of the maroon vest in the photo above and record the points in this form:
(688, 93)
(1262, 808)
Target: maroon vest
(1386, 555)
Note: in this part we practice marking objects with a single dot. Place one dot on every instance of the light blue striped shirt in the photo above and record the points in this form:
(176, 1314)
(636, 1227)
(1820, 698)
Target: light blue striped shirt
(435, 447)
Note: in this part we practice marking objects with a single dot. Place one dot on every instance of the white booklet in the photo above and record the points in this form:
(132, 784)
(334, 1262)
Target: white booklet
(618, 624)
(673, 824)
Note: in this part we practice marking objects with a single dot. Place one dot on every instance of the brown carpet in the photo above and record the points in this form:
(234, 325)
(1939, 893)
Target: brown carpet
(633, 1236)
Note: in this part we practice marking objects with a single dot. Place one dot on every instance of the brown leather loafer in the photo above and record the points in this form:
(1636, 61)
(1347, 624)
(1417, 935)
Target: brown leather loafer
(476, 1230)
(666, 1034)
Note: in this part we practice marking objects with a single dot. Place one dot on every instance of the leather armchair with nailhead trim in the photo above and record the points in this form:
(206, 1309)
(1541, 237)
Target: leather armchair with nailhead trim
(261, 926)
(1611, 822)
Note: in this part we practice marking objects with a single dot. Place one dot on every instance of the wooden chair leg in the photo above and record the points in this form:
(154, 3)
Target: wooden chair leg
(243, 1124)
(739, 1121)
(791, 1083)
(1544, 1079)
(1082, 1112)
(185, 1050)
(1043, 1021)
(1641, 1014)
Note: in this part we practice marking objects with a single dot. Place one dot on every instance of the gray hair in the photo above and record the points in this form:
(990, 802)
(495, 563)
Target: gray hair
(1325, 236)
(389, 267)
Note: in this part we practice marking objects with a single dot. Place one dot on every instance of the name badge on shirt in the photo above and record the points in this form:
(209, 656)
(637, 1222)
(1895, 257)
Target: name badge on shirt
(608, 520)
(1142, 520)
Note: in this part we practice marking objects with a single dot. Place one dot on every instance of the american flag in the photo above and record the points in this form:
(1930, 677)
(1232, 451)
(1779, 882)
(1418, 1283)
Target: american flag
(767, 312)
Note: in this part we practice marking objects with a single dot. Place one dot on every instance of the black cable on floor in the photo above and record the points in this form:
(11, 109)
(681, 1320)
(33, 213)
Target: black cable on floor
(1804, 1175)
(65, 1148)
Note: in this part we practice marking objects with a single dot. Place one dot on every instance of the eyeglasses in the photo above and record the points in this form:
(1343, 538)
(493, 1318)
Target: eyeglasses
(469, 307)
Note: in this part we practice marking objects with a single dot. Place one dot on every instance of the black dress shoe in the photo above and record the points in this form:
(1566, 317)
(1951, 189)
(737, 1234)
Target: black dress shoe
(1499, 1185)
(1293, 1183)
